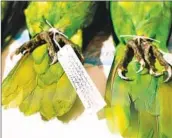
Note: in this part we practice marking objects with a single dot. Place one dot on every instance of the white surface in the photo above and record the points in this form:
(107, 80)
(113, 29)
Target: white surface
(16, 125)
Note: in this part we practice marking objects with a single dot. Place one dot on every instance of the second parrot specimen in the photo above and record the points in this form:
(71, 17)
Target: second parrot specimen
(138, 105)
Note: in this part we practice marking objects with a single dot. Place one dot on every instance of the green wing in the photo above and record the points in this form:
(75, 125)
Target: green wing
(35, 86)
(139, 108)
(66, 16)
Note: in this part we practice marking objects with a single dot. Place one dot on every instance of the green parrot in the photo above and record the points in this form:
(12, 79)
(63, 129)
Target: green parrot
(140, 105)
(34, 85)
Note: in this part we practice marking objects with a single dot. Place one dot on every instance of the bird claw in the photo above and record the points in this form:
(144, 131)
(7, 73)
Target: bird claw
(50, 37)
(146, 53)
(142, 65)
(120, 74)
(156, 74)
(169, 71)
(54, 60)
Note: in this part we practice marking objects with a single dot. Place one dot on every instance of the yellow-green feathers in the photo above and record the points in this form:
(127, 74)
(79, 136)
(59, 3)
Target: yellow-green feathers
(140, 108)
(66, 16)
(36, 86)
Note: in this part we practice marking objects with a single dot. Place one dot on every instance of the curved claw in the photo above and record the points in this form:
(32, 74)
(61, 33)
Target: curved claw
(169, 71)
(55, 59)
(121, 75)
(156, 74)
(142, 65)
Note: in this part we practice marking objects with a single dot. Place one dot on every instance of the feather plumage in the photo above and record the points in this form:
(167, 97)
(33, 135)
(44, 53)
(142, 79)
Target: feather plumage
(34, 85)
(139, 108)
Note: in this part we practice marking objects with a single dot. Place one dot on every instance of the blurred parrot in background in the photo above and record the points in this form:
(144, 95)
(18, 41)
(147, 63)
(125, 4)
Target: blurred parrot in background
(139, 105)
(12, 20)
(38, 83)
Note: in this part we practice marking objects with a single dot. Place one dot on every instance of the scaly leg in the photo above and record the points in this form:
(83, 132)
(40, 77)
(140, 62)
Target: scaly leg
(131, 46)
(52, 37)
(149, 57)
(134, 48)
(122, 67)
(138, 54)
(145, 52)
(38, 40)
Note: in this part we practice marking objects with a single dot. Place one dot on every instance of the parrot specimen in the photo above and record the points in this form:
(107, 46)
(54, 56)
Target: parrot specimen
(138, 93)
(38, 83)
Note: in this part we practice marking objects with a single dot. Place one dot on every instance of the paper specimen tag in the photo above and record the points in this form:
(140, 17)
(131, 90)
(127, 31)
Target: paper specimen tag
(81, 81)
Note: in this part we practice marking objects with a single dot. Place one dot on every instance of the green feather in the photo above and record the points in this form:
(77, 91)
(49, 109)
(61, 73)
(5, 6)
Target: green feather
(140, 108)
(36, 86)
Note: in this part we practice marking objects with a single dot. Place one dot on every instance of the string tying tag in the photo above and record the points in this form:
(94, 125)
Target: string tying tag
(80, 80)
(167, 56)
(139, 37)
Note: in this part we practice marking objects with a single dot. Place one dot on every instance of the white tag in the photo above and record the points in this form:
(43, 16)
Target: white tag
(81, 81)
(167, 57)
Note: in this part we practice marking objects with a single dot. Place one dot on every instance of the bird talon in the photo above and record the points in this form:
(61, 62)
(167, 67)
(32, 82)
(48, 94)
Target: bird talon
(54, 60)
(155, 74)
(142, 65)
(25, 52)
(146, 54)
(169, 71)
(120, 74)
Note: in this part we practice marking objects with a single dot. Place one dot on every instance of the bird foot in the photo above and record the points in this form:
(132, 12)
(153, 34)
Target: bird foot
(145, 53)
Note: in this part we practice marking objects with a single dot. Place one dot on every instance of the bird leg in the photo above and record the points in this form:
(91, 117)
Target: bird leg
(163, 62)
(134, 48)
(52, 37)
(122, 67)
(149, 57)
(38, 40)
